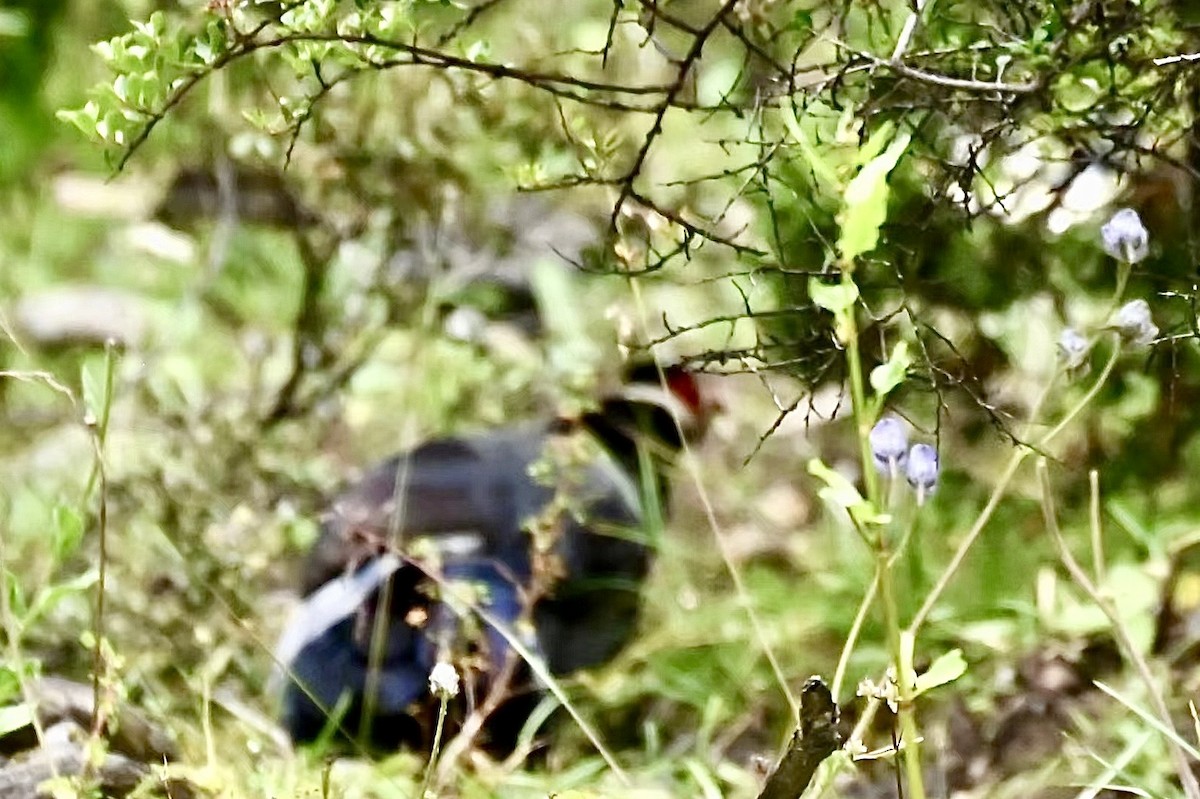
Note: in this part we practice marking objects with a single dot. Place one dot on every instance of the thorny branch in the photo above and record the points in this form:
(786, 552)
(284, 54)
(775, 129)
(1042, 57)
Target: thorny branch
(672, 94)
(967, 106)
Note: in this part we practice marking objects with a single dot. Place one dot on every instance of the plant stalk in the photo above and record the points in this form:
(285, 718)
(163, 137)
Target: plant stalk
(864, 418)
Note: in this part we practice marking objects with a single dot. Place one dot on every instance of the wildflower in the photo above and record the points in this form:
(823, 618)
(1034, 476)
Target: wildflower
(886, 690)
(1072, 347)
(1135, 323)
(443, 680)
(1125, 237)
(922, 470)
(889, 445)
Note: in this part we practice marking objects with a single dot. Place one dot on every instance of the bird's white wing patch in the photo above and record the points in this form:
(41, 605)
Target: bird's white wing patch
(459, 544)
(330, 604)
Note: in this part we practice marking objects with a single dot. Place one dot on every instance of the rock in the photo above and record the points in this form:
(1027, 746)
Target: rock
(80, 315)
(118, 775)
(64, 712)
(234, 192)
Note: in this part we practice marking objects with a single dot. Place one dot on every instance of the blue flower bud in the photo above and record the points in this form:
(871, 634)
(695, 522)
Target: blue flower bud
(889, 445)
(922, 470)
(1125, 237)
(1072, 347)
(1135, 323)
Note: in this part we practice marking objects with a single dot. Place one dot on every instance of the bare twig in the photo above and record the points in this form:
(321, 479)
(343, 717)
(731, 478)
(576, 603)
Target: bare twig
(672, 93)
(815, 739)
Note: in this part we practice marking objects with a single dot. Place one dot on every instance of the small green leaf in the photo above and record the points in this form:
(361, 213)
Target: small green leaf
(302, 532)
(866, 200)
(13, 23)
(10, 684)
(68, 531)
(947, 668)
(822, 170)
(802, 20)
(837, 298)
(82, 118)
(16, 597)
(885, 377)
(49, 597)
(838, 490)
(841, 493)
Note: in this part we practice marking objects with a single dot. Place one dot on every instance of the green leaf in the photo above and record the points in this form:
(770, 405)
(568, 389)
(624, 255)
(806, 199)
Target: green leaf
(15, 717)
(866, 200)
(886, 377)
(873, 147)
(68, 531)
(825, 174)
(49, 597)
(302, 532)
(13, 23)
(84, 118)
(10, 684)
(838, 490)
(947, 668)
(841, 493)
(835, 297)
(802, 20)
(16, 597)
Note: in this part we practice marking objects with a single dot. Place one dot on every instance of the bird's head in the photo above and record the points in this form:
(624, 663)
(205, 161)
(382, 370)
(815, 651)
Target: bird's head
(658, 406)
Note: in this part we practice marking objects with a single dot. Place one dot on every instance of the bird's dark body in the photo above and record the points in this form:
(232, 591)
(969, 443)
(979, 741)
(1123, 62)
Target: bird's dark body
(474, 499)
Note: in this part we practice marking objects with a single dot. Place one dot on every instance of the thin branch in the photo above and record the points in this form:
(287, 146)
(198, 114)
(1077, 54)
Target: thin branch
(673, 91)
(466, 22)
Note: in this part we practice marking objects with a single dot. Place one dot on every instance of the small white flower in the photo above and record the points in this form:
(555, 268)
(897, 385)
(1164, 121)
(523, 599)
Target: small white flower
(1072, 347)
(1124, 237)
(886, 691)
(443, 680)
(922, 469)
(1135, 323)
(889, 445)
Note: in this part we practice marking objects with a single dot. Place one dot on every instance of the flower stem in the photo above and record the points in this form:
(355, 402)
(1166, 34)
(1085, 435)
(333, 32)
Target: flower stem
(911, 742)
(864, 415)
(858, 398)
(437, 746)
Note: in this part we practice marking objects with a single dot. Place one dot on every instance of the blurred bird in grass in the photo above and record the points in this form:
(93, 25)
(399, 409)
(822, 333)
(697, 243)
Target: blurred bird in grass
(527, 542)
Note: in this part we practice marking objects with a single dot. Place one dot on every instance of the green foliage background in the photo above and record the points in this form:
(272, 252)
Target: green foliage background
(399, 173)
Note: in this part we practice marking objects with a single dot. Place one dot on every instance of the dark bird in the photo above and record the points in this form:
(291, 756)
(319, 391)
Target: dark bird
(544, 524)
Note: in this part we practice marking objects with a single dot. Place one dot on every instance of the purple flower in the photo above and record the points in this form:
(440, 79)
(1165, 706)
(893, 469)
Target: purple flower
(922, 470)
(889, 445)
(1125, 237)
(1072, 347)
(1135, 323)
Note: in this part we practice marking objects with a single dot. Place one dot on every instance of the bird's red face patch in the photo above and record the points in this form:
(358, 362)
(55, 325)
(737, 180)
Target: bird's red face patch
(684, 386)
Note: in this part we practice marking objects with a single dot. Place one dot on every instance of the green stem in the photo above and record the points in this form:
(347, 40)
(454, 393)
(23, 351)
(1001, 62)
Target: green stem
(904, 683)
(858, 398)
(437, 747)
(864, 418)
(1088, 397)
(883, 576)
(1123, 270)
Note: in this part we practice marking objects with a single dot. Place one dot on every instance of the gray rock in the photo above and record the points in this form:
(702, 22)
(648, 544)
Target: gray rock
(80, 315)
